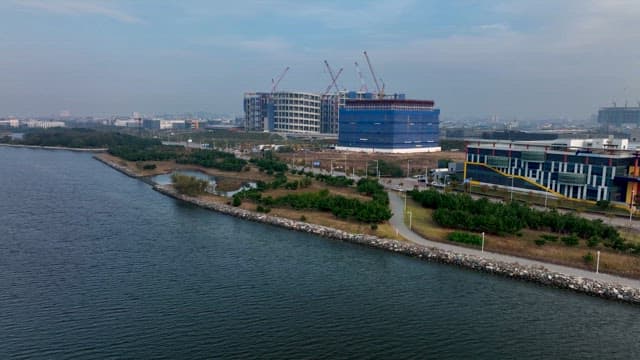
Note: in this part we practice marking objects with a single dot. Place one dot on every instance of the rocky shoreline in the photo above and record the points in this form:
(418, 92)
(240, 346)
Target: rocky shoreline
(538, 275)
(512, 270)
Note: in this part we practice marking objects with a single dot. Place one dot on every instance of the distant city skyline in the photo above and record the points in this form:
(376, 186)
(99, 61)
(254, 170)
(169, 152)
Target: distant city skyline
(525, 60)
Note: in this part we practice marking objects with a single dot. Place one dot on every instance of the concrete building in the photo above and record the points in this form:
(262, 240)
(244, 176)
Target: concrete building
(44, 124)
(394, 125)
(586, 169)
(284, 111)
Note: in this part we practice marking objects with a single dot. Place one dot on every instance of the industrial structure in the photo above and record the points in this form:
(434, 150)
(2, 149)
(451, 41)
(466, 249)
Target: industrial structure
(585, 169)
(363, 120)
(619, 116)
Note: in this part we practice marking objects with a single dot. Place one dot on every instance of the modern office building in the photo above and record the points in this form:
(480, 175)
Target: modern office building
(394, 125)
(585, 169)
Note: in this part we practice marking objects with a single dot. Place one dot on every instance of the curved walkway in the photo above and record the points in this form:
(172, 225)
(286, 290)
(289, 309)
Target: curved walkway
(397, 221)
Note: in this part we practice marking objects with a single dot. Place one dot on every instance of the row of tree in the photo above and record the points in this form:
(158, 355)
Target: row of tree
(81, 138)
(373, 211)
(460, 211)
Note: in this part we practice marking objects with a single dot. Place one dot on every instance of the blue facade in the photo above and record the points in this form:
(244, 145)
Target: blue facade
(580, 175)
(389, 124)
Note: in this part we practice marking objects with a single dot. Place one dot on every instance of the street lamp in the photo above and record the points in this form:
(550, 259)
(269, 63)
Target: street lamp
(405, 201)
(377, 170)
(633, 194)
(410, 215)
(512, 177)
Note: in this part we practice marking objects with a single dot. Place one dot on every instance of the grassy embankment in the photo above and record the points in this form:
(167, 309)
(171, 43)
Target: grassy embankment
(611, 261)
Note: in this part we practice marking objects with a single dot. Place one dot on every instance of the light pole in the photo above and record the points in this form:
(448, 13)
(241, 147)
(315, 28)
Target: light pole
(331, 173)
(633, 194)
(408, 168)
(546, 195)
(405, 201)
(377, 170)
(482, 248)
(512, 177)
(410, 215)
(598, 262)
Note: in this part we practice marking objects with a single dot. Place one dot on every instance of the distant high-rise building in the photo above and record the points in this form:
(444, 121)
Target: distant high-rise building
(617, 116)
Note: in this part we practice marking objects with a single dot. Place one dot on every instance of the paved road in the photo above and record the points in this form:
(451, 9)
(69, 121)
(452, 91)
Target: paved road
(397, 221)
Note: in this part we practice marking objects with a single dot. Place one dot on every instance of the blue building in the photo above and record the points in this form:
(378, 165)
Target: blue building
(584, 169)
(394, 125)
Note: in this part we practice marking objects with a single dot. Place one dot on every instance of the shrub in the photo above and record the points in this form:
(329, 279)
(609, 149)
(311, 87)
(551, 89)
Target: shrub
(303, 218)
(149, 166)
(188, 185)
(374, 226)
(465, 238)
(570, 240)
(236, 201)
(540, 242)
(588, 258)
(593, 241)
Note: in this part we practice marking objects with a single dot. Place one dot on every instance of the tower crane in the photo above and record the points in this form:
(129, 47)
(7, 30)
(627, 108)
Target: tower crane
(277, 80)
(334, 77)
(375, 80)
(333, 82)
(363, 85)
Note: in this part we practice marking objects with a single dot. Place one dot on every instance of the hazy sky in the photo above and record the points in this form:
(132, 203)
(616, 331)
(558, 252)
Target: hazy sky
(515, 59)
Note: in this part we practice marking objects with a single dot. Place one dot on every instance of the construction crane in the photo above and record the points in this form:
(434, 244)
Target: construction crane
(277, 81)
(363, 85)
(334, 77)
(333, 82)
(375, 80)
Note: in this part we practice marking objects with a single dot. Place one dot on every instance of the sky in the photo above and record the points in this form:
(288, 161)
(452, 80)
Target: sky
(515, 59)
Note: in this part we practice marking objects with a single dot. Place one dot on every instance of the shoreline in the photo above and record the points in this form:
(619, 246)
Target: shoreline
(539, 275)
(89, 150)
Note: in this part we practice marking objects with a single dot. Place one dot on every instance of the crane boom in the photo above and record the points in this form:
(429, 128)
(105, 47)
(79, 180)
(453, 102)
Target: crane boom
(373, 74)
(333, 82)
(277, 81)
(363, 85)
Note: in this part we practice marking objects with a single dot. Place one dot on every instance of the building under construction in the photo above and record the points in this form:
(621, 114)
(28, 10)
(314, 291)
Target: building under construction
(364, 120)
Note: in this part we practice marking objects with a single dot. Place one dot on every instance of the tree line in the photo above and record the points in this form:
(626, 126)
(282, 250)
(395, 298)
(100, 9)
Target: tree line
(460, 211)
(373, 211)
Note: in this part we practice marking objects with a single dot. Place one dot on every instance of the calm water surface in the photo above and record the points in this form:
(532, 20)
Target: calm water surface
(96, 265)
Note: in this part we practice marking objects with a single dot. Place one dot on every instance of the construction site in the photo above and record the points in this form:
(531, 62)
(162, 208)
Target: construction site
(363, 121)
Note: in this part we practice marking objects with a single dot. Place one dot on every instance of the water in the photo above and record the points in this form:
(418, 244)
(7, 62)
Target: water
(165, 179)
(95, 265)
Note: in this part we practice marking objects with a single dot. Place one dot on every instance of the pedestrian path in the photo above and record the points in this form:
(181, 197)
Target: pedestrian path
(397, 221)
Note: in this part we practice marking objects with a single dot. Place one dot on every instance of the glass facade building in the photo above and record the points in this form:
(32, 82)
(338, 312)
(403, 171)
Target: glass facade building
(389, 125)
(573, 172)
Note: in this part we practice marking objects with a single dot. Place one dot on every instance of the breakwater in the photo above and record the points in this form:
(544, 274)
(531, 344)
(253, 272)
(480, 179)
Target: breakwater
(538, 275)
